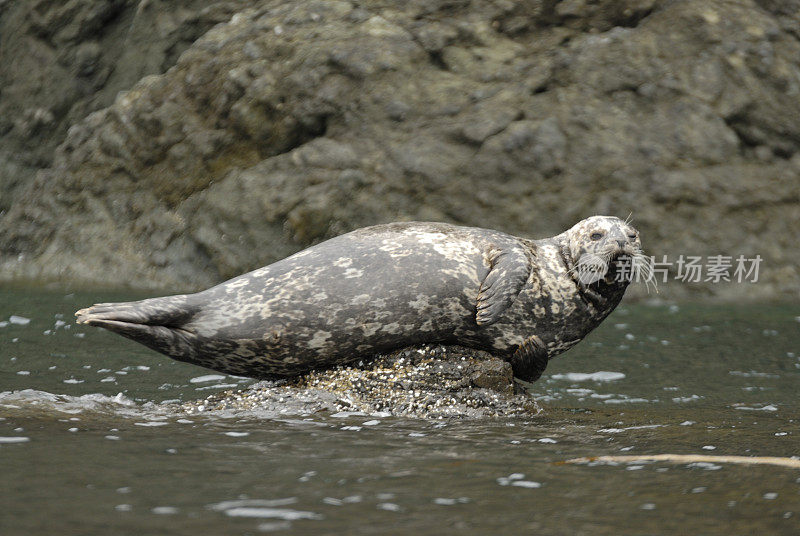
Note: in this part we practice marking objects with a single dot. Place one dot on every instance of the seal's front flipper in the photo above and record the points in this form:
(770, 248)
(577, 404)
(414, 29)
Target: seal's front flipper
(530, 359)
(508, 272)
(158, 323)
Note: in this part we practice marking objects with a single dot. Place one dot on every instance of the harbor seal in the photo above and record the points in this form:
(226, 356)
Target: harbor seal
(391, 286)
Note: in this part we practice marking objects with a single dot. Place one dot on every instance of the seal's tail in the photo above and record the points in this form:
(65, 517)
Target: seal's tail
(158, 323)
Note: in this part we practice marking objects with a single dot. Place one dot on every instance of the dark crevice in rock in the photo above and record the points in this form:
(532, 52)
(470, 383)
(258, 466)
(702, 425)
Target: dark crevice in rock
(308, 128)
(742, 127)
(524, 18)
(543, 88)
(634, 19)
(437, 59)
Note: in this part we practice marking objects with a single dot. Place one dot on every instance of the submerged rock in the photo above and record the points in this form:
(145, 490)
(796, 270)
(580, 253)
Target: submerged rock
(428, 382)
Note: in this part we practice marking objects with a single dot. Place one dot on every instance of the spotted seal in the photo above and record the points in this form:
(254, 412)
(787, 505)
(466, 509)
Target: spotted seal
(390, 286)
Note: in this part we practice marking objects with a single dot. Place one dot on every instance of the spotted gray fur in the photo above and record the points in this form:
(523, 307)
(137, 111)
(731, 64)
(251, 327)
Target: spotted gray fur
(385, 287)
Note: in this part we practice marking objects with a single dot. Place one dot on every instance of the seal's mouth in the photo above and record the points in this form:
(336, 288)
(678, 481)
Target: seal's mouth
(599, 271)
(612, 269)
(626, 267)
(619, 268)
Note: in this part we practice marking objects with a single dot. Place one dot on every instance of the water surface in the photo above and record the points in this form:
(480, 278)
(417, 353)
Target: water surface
(88, 445)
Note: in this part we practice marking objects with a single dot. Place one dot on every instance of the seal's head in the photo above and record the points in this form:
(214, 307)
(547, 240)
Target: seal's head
(605, 249)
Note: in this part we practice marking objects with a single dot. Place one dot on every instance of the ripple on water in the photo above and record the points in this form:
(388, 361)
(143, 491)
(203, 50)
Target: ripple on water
(753, 374)
(708, 466)
(600, 376)
(151, 423)
(13, 439)
(446, 501)
(207, 378)
(217, 386)
(624, 399)
(164, 510)
(767, 407)
(34, 398)
(264, 509)
(517, 480)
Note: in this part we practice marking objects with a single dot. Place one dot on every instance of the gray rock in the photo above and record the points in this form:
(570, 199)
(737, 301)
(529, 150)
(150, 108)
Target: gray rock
(429, 382)
(63, 60)
(240, 139)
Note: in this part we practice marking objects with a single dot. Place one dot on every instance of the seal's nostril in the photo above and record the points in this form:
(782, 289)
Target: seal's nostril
(621, 243)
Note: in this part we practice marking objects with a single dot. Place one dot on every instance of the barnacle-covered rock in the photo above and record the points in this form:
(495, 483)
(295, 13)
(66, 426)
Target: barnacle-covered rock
(430, 382)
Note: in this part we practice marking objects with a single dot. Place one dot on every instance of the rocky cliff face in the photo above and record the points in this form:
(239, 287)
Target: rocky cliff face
(255, 131)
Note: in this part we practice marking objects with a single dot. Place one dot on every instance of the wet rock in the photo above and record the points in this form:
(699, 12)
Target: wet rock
(280, 124)
(428, 382)
(68, 59)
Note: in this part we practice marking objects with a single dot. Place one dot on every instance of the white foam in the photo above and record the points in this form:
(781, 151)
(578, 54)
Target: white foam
(625, 400)
(526, 484)
(708, 466)
(768, 407)
(14, 439)
(217, 386)
(164, 510)
(683, 399)
(753, 374)
(19, 320)
(271, 503)
(263, 509)
(600, 376)
(207, 378)
(272, 513)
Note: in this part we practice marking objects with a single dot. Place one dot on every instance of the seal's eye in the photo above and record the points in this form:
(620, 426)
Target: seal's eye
(632, 236)
(596, 236)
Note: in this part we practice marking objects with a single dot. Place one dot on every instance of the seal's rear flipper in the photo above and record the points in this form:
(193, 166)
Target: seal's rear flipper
(172, 311)
(158, 323)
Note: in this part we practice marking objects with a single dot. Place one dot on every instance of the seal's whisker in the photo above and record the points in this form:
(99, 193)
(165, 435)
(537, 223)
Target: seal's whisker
(629, 219)
(642, 267)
